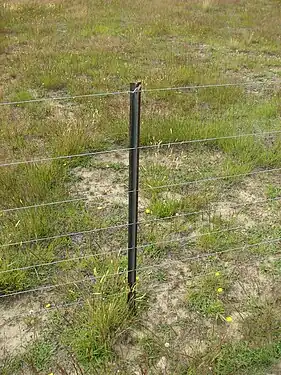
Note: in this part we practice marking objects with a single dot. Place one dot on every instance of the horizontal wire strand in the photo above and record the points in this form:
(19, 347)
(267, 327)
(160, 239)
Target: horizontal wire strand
(178, 143)
(73, 200)
(67, 305)
(120, 92)
(211, 209)
(195, 87)
(44, 288)
(195, 258)
(54, 203)
(71, 234)
(117, 251)
(215, 178)
(62, 157)
(67, 97)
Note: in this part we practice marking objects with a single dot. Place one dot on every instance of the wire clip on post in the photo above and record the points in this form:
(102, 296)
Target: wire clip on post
(134, 138)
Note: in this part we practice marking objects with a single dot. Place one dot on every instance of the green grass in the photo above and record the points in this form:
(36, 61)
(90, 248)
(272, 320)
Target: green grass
(261, 348)
(242, 359)
(61, 48)
(207, 294)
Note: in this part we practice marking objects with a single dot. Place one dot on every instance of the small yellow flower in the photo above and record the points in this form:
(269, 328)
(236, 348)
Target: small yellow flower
(137, 278)
(48, 305)
(228, 319)
(217, 274)
(220, 290)
(51, 373)
(148, 211)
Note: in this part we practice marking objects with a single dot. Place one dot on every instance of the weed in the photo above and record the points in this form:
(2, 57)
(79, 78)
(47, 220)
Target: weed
(206, 295)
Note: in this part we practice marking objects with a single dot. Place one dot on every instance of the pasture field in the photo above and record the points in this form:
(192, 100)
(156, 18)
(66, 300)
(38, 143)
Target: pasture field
(208, 288)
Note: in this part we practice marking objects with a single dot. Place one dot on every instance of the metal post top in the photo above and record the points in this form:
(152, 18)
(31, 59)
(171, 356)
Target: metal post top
(135, 86)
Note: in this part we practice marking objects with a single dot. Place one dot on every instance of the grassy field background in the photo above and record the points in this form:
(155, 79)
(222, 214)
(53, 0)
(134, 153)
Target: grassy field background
(209, 257)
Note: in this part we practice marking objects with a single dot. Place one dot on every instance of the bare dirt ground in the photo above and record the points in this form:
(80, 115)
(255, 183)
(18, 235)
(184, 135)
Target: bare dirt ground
(20, 324)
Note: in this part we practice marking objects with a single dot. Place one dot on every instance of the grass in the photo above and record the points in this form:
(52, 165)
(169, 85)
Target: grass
(241, 358)
(207, 295)
(59, 48)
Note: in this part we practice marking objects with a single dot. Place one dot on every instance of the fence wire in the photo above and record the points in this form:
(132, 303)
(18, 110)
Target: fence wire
(144, 147)
(44, 204)
(93, 278)
(123, 92)
(210, 179)
(67, 97)
(58, 236)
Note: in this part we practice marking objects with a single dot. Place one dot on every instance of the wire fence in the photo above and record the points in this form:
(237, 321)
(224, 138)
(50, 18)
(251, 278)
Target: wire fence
(185, 242)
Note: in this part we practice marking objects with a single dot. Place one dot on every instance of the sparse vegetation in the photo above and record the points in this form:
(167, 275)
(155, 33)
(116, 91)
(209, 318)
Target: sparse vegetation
(202, 309)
